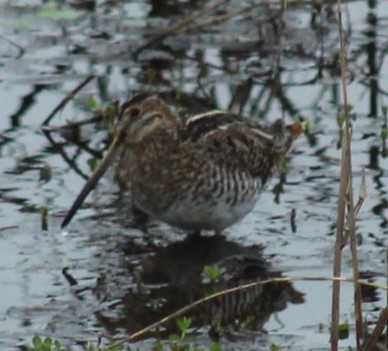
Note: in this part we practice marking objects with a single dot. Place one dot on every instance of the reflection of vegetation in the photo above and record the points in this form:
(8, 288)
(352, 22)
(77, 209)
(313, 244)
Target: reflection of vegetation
(384, 130)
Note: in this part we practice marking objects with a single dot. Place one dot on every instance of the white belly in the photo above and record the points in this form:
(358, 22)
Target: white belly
(194, 217)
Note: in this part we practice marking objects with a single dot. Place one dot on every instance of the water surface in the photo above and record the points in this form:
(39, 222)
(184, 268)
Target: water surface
(234, 64)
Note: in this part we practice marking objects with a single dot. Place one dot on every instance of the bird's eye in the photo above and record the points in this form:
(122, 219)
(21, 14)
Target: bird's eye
(135, 113)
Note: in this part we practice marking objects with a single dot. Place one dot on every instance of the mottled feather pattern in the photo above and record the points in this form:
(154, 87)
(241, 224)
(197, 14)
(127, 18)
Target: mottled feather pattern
(203, 172)
(207, 177)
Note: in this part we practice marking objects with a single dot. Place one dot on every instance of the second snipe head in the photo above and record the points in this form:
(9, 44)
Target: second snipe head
(203, 172)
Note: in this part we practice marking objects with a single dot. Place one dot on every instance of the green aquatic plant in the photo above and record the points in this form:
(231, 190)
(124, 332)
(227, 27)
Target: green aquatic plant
(46, 344)
(212, 273)
(343, 331)
(92, 103)
(182, 341)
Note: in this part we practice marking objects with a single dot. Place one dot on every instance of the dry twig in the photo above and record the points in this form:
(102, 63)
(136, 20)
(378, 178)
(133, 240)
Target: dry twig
(345, 200)
(66, 99)
(378, 331)
(207, 299)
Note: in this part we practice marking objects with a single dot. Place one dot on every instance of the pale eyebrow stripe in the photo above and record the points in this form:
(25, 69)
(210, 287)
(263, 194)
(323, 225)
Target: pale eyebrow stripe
(203, 115)
(150, 114)
(262, 134)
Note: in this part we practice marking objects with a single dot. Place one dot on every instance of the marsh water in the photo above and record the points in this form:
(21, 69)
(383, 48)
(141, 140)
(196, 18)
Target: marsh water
(105, 276)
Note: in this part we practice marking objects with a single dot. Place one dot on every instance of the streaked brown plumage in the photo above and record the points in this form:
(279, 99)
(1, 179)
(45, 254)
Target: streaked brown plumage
(206, 172)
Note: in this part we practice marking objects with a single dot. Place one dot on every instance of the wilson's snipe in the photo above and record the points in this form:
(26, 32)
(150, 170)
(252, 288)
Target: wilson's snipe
(205, 172)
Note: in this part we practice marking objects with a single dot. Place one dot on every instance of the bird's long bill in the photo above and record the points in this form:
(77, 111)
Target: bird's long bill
(92, 181)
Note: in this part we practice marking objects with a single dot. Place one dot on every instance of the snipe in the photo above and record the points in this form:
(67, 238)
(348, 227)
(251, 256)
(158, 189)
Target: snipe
(205, 172)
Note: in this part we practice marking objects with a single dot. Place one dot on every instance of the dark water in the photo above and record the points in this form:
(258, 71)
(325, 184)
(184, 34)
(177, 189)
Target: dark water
(126, 279)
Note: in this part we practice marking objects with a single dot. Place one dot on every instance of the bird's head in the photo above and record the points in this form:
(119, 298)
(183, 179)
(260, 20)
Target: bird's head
(143, 117)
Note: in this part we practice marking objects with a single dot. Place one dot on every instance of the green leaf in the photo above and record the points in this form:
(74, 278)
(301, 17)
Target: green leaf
(340, 119)
(158, 346)
(37, 342)
(92, 163)
(57, 345)
(275, 347)
(47, 343)
(211, 272)
(184, 323)
(92, 103)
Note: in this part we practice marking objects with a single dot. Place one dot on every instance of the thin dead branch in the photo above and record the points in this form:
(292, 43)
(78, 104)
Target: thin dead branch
(378, 331)
(345, 200)
(66, 99)
(220, 294)
(356, 273)
(71, 125)
(66, 158)
(362, 195)
(339, 242)
(351, 221)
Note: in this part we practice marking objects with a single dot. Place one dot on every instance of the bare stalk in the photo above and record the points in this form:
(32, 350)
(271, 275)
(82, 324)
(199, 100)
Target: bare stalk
(339, 242)
(345, 189)
(345, 201)
(378, 331)
(353, 247)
